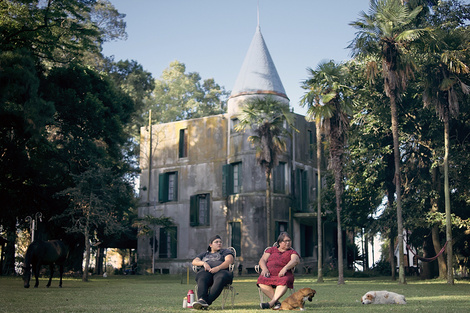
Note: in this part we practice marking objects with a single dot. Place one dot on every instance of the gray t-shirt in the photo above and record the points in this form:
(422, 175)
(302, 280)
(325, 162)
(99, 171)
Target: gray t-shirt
(214, 259)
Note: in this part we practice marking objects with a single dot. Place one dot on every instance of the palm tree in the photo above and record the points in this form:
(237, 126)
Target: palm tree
(384, 35)
(328, 101)
(317, 112)
(445, 55)
(266, 117)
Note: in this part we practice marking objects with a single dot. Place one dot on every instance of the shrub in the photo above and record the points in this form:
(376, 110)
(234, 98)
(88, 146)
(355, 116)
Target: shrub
(382, 268)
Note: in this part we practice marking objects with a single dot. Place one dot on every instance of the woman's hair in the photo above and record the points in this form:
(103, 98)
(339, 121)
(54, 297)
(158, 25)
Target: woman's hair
(212, 240)
(282, 236)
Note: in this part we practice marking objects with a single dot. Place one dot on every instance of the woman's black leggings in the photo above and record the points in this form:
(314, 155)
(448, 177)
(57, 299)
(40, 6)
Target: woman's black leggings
(210, 286)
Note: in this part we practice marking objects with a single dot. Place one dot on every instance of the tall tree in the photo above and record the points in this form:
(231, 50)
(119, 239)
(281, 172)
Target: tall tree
(108, 20)
(35, 37)
(384, 34)
(88, 133)
(23, 116)
(445, 68)
(179, 95)
(370, 162)
(317, 112)
(266, 117)
(93, 204)
(328, 83)
(135, 82)
(56, 31)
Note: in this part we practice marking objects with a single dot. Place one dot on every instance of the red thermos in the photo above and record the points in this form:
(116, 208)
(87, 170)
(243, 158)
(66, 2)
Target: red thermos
(190, 298)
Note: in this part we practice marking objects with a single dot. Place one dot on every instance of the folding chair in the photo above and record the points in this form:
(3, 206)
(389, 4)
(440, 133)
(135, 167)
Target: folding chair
(228, 289)
(258, 270)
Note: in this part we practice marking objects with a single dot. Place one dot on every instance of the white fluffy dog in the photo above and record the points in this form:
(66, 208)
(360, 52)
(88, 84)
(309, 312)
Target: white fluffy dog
(382, 297)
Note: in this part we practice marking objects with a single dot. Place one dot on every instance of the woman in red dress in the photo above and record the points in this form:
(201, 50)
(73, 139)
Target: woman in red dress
(276, 275)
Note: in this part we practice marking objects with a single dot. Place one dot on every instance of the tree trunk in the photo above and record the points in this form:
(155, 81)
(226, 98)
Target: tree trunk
(426, 267)
(437, 248)
(319, 222)
(87, 258)
(366, 252)
(391, 253)
(390, 189)
(450, 268)
(269, 235)
(435, 229)
(340, 248)
(338, 193)
(87, 248)
(396, 153)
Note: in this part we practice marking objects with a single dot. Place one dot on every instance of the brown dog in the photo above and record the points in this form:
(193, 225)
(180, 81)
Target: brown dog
(297, 300)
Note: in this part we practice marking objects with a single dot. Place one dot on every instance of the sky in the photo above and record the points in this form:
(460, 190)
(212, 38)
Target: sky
(211, 37)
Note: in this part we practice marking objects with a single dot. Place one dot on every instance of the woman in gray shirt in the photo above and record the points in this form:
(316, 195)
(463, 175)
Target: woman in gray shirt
(214, 273)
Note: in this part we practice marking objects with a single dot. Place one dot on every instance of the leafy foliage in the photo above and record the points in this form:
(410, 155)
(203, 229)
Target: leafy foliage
(179, 95)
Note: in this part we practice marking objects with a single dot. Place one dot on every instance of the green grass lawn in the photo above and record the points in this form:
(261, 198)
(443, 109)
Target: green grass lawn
(165, 293)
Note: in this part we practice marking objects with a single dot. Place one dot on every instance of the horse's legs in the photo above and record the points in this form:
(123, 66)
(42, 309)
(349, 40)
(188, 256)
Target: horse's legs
(61, 271)
(36, 268)
(51, 268)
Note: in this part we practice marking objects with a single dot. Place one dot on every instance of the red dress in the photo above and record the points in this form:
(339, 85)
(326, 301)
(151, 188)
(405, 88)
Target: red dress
(276, 261)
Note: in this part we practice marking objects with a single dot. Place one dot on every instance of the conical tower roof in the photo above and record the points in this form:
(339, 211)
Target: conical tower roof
(258, 74)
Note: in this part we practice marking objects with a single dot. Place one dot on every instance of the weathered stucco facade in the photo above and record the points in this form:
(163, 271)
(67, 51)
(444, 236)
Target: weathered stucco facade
(204, 175)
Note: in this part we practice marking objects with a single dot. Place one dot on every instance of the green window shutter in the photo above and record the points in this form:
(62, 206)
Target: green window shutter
(297, 188)
(276, 179)
(279, 178)
(240, 179)
(181, 144)
(276, 229)
(236, 237)
(303, 240)
(304, 198)
(225, 179)
(173, 242)
(186, 143)
(163, 246)
(311, 146)
(193, 211)
(163, 187)
(175, 196)
(208, 209)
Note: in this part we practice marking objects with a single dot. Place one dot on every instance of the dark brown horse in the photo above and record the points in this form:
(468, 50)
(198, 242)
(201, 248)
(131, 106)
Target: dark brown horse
(44, 252)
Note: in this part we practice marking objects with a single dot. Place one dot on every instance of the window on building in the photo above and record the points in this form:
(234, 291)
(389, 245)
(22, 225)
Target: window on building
(236, 175)
(168, 246)
(311, 144)
(280, 227)
(233, 124)
(231, 178)
(183, 143)
(236, 237)
(279, 178)
(306, 240)
(168, 187)
(301, 190)
(199, 212)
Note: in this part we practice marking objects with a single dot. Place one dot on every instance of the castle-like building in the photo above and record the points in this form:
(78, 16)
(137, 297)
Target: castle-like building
(204, 175)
